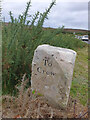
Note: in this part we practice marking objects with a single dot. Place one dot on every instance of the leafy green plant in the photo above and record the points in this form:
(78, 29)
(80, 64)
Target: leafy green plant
(33, 92)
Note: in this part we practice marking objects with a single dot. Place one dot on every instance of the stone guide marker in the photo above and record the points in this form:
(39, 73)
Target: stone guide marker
(52, 71)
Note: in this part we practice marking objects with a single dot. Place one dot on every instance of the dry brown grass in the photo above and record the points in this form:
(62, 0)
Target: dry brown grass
(28, 105)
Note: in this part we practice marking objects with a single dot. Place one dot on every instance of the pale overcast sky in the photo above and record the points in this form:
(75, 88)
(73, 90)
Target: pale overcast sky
(70, 13)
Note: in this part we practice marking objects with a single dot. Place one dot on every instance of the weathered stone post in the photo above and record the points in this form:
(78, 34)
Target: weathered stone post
(52, 71)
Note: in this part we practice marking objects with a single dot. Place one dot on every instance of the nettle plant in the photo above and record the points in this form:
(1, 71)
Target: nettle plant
(20, 38)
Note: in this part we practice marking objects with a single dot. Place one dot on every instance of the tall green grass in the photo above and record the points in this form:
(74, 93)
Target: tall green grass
(20, 39)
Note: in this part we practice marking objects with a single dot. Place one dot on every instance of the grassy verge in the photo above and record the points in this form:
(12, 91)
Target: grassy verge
(79, 89)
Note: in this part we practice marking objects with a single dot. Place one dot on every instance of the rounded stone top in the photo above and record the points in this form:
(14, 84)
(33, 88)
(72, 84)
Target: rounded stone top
(53, 48)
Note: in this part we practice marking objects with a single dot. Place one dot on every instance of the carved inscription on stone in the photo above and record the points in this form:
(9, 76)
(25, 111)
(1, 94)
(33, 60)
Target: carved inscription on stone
(46, 63)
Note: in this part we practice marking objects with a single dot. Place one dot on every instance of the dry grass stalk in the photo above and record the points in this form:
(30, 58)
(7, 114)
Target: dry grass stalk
(51, 113)
(28, 105)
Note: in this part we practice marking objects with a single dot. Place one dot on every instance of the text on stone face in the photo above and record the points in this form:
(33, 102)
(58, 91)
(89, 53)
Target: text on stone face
(47, 64)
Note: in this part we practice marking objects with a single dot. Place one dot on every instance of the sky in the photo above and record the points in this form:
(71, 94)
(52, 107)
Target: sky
(68, 13)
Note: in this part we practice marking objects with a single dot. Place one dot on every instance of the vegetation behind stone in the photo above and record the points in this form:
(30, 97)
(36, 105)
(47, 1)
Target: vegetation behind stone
(21, 37)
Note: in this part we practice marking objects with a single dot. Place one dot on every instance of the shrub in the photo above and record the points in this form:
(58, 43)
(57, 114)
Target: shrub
(20, 39)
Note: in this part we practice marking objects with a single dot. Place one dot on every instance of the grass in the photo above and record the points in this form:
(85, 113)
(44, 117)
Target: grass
(79, 88)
